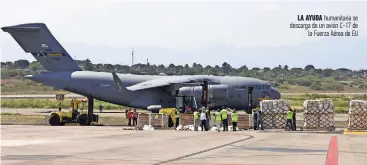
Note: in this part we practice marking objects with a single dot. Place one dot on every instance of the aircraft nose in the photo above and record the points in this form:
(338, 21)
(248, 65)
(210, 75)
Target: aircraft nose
(275, 94)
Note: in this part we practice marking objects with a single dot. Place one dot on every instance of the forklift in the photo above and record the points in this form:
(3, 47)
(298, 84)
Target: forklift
(73, 115)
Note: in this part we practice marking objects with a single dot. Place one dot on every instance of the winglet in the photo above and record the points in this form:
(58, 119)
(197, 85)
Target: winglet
(118, 82)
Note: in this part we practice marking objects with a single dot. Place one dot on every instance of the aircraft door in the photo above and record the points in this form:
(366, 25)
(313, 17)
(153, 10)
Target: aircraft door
(218, 92)
(249, 99)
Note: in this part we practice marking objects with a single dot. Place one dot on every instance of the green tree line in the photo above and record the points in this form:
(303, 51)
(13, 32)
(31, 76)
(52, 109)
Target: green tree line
(280, 76)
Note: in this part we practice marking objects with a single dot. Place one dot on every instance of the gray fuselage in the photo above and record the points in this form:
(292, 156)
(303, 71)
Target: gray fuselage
(232, 91)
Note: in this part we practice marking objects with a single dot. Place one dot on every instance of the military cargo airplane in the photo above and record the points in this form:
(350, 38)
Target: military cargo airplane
(138, 91)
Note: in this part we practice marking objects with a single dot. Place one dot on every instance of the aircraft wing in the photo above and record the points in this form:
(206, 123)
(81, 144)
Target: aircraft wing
(169, 80)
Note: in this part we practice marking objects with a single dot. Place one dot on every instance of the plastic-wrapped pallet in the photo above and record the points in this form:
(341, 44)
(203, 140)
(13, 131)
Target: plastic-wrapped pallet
(318, 114)
(358, 107)
(319, 106)
(281, 106)
(310, 121)
(311, 106)
(266, 106)
(357, 115)
(357, 122)
(279, 120)
(274, 112)
(326, 106)
(267, 121)
(326, 120)
(274, 106)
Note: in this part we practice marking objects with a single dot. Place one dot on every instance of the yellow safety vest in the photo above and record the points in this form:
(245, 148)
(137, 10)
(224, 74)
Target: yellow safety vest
(234, 117)
(178, 114)
(196, 115)
(290, 115)
(218, 116)
(224, 114)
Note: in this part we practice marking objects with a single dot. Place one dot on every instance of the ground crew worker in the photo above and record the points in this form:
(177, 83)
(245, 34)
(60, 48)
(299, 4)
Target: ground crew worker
(234, 120)
(289, 119)
(130, 116)
(260, 120)
(100, 107)
(207, 113)
(196, 120)
(294, 120)
(135, 118)
(218, 119)
(177, 115)
(255, 119)
(224, 114)
(203, 120)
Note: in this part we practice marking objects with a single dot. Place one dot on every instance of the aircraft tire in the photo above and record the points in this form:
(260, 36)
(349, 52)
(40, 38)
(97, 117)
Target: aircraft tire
(83, 119)
(54, 120)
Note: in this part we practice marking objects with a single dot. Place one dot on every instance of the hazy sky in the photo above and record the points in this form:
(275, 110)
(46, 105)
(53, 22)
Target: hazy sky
(178, 32)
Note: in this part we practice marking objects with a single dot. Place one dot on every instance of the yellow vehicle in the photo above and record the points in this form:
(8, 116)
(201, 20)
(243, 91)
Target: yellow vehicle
(72, 116)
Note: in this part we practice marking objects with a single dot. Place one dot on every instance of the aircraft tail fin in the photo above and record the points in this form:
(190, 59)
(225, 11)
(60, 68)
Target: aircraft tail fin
(35, 38)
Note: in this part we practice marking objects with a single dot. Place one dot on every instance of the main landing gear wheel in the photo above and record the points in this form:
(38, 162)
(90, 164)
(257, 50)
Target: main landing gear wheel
(83, 119)
(55, 120)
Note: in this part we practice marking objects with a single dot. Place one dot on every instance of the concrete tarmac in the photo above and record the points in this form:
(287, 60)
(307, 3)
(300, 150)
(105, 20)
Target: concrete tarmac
(43, 145)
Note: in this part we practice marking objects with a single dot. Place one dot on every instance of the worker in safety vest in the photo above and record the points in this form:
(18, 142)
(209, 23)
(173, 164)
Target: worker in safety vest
(260, 120)
(234, 120)
(177, 115)
(294, 120)
(207, 113)
(196, 120)
(255, 117)
(203, 121)
(218, 119)
(289, 119)
(224, 114)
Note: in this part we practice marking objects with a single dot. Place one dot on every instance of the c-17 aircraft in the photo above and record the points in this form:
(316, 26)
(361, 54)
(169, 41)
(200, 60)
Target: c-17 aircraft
(138, 91)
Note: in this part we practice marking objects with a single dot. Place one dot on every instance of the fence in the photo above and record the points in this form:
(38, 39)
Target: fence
(155, 120)
(162, 120)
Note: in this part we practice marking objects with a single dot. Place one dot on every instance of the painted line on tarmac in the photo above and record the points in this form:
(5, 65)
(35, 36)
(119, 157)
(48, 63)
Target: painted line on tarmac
(203, 151)
(355, 132)
(332, 154)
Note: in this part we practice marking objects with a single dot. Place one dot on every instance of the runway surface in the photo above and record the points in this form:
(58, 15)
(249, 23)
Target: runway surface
(44, 145)
(50, 96)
